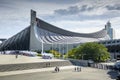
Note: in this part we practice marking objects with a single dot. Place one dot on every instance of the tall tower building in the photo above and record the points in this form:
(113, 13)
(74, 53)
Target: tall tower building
(110, 31)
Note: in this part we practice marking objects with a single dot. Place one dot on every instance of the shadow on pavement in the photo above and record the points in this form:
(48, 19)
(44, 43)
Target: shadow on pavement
(113, 74)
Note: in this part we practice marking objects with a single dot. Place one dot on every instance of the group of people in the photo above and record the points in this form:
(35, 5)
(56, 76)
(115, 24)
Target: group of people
(57, 69)
(78, 68)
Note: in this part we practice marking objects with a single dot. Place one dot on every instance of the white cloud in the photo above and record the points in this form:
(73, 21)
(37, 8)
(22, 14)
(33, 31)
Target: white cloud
(98, 11)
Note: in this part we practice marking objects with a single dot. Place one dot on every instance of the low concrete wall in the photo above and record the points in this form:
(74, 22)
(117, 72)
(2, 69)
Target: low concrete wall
(37, 65)
(79, 62)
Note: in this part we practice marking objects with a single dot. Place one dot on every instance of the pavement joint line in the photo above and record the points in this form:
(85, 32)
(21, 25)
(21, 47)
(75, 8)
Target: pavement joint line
(33, 70)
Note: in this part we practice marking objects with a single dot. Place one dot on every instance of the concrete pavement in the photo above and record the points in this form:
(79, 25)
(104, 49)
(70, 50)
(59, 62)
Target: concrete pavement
(34, 70)
(66, 73)
(11, 59)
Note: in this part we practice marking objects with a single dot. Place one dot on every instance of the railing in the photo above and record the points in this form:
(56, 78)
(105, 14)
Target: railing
(101, 66)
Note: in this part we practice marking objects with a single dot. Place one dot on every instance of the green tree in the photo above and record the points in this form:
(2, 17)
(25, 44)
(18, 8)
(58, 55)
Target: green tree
(94, 51)
(55, 53)
(71, 53)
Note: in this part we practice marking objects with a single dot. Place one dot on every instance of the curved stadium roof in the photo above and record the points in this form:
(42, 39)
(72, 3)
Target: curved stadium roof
(54, 29)
(52, 34)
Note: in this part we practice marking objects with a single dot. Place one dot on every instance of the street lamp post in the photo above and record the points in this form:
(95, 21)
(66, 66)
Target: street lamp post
(42, 47)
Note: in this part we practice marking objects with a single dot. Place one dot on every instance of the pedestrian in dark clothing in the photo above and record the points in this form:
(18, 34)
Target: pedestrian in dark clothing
(75, 69)
(16, 56)
(49, 64)
(58, 69)
(79, 68)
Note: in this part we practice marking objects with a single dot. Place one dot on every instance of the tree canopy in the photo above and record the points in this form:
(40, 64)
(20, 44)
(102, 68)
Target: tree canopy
(55, 53)
(90, 51)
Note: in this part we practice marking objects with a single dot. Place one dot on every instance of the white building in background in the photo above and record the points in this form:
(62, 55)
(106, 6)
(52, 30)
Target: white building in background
(110, 30)
(0, 42)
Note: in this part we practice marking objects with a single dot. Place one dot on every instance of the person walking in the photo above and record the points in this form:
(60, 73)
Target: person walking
(75, 69)
(56, 69)
(80, 69)
(49, 64)
(16, 56)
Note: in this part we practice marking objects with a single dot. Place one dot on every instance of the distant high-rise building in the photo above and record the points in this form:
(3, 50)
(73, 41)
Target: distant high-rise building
(0, 42)
(110, 31)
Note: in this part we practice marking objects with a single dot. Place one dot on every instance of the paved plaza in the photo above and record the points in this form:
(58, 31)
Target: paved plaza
(47, 73)
(11, 59)
(64, 74)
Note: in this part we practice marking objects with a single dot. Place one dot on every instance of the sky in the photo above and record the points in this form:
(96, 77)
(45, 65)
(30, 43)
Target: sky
(83, 16)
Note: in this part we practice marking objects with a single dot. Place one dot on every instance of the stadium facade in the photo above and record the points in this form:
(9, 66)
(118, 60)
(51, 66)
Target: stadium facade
(41, 36)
